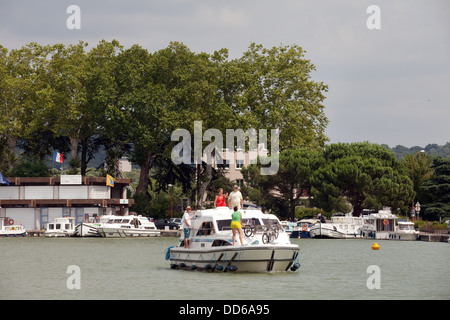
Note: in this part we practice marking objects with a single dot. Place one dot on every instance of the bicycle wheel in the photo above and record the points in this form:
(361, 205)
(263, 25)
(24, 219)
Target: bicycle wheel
(249, 231)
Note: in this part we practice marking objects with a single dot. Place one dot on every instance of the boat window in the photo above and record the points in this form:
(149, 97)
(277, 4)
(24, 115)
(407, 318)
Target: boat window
(251, 221)
(117, 220)
(125, 220)
(67, 226)
(223, 225)
(110, 221)
(206, 229)
(51, 226)
(58, 226)
(220, 243)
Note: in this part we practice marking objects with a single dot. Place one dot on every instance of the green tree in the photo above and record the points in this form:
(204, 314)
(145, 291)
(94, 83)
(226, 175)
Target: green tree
(439, 189)
(364, 174)
(278, 93)
(286, 186)
(24, 96)
(420, 170)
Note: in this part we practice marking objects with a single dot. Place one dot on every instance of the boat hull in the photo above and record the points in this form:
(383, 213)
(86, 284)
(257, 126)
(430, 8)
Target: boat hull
(84, 229)
(60, 234)
(330, 232)
(405, 236)
(121, 233)
(254, 258)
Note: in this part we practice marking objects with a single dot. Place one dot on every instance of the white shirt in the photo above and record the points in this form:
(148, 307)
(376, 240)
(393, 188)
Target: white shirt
(236, 199)
(186, 217)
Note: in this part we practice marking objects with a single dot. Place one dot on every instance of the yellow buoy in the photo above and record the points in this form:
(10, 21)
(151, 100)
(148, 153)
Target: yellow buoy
(375, 246)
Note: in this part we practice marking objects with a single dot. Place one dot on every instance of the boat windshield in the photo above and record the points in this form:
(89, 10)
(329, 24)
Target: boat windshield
(269, 222)
(405, 227)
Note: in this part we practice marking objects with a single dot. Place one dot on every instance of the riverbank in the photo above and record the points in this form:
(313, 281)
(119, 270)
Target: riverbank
(428, 237)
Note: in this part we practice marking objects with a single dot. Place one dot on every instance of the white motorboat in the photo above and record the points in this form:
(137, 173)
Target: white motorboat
(379, 225)
(341, 227)
(9, 229)
(89, 229)
(288, 226)
(303, 229)
(405, 231)
(61, 227)
(128, 226)
(266, 245)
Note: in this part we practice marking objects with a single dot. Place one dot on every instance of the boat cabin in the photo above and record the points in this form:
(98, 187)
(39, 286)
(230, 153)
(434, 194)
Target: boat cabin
(212, 227)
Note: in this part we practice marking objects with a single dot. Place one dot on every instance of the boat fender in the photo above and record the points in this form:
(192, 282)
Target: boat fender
(208, 267)
(182, 265)
(193, 267)
(218, 267)
(295, 266)
(232, 268)
(168, 252)
(173, 266)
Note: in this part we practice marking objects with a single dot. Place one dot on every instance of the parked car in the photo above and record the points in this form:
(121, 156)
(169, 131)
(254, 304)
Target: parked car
(177, 221)
(162, 223)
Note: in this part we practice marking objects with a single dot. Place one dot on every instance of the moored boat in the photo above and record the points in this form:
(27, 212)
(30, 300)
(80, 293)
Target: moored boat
(128, 226)
(9, 229)
(341, 227)
(303, 229)
(61, 227)
(89, 229)
(405, 231)
(266, 245)
(380, 225)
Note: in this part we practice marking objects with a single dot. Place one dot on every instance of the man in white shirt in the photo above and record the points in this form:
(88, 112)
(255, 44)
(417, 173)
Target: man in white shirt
(235, 198)
(186, 224)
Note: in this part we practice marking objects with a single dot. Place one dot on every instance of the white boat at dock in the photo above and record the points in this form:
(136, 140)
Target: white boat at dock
(89, 229)
(266, 245)
(341, 227)
(9, 229)
(380, 225)
(405, 231)
(61, 227)
(128, 226)
(303, 229)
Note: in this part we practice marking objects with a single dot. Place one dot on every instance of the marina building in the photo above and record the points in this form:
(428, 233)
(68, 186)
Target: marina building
(33, 202)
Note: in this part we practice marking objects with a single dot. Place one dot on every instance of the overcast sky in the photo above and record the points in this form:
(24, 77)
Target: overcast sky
(388, 86)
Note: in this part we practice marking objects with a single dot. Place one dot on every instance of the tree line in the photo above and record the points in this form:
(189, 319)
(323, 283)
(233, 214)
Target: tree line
(128, 101)
(346, 177)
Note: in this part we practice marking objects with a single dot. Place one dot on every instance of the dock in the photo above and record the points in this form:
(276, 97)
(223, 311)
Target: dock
(170, 233)
(35, 233)
(433, 237)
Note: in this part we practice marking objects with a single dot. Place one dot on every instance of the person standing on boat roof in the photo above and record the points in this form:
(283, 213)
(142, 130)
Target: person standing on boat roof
(220, 199)
(186, 223)
(236, 224)
(235, 199)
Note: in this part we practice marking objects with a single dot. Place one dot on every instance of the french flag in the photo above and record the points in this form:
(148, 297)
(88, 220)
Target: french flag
(57, 157)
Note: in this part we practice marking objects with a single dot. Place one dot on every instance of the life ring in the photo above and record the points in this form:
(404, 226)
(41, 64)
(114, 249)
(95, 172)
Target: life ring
(304, 228)
(385, 222)
(11, 222)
